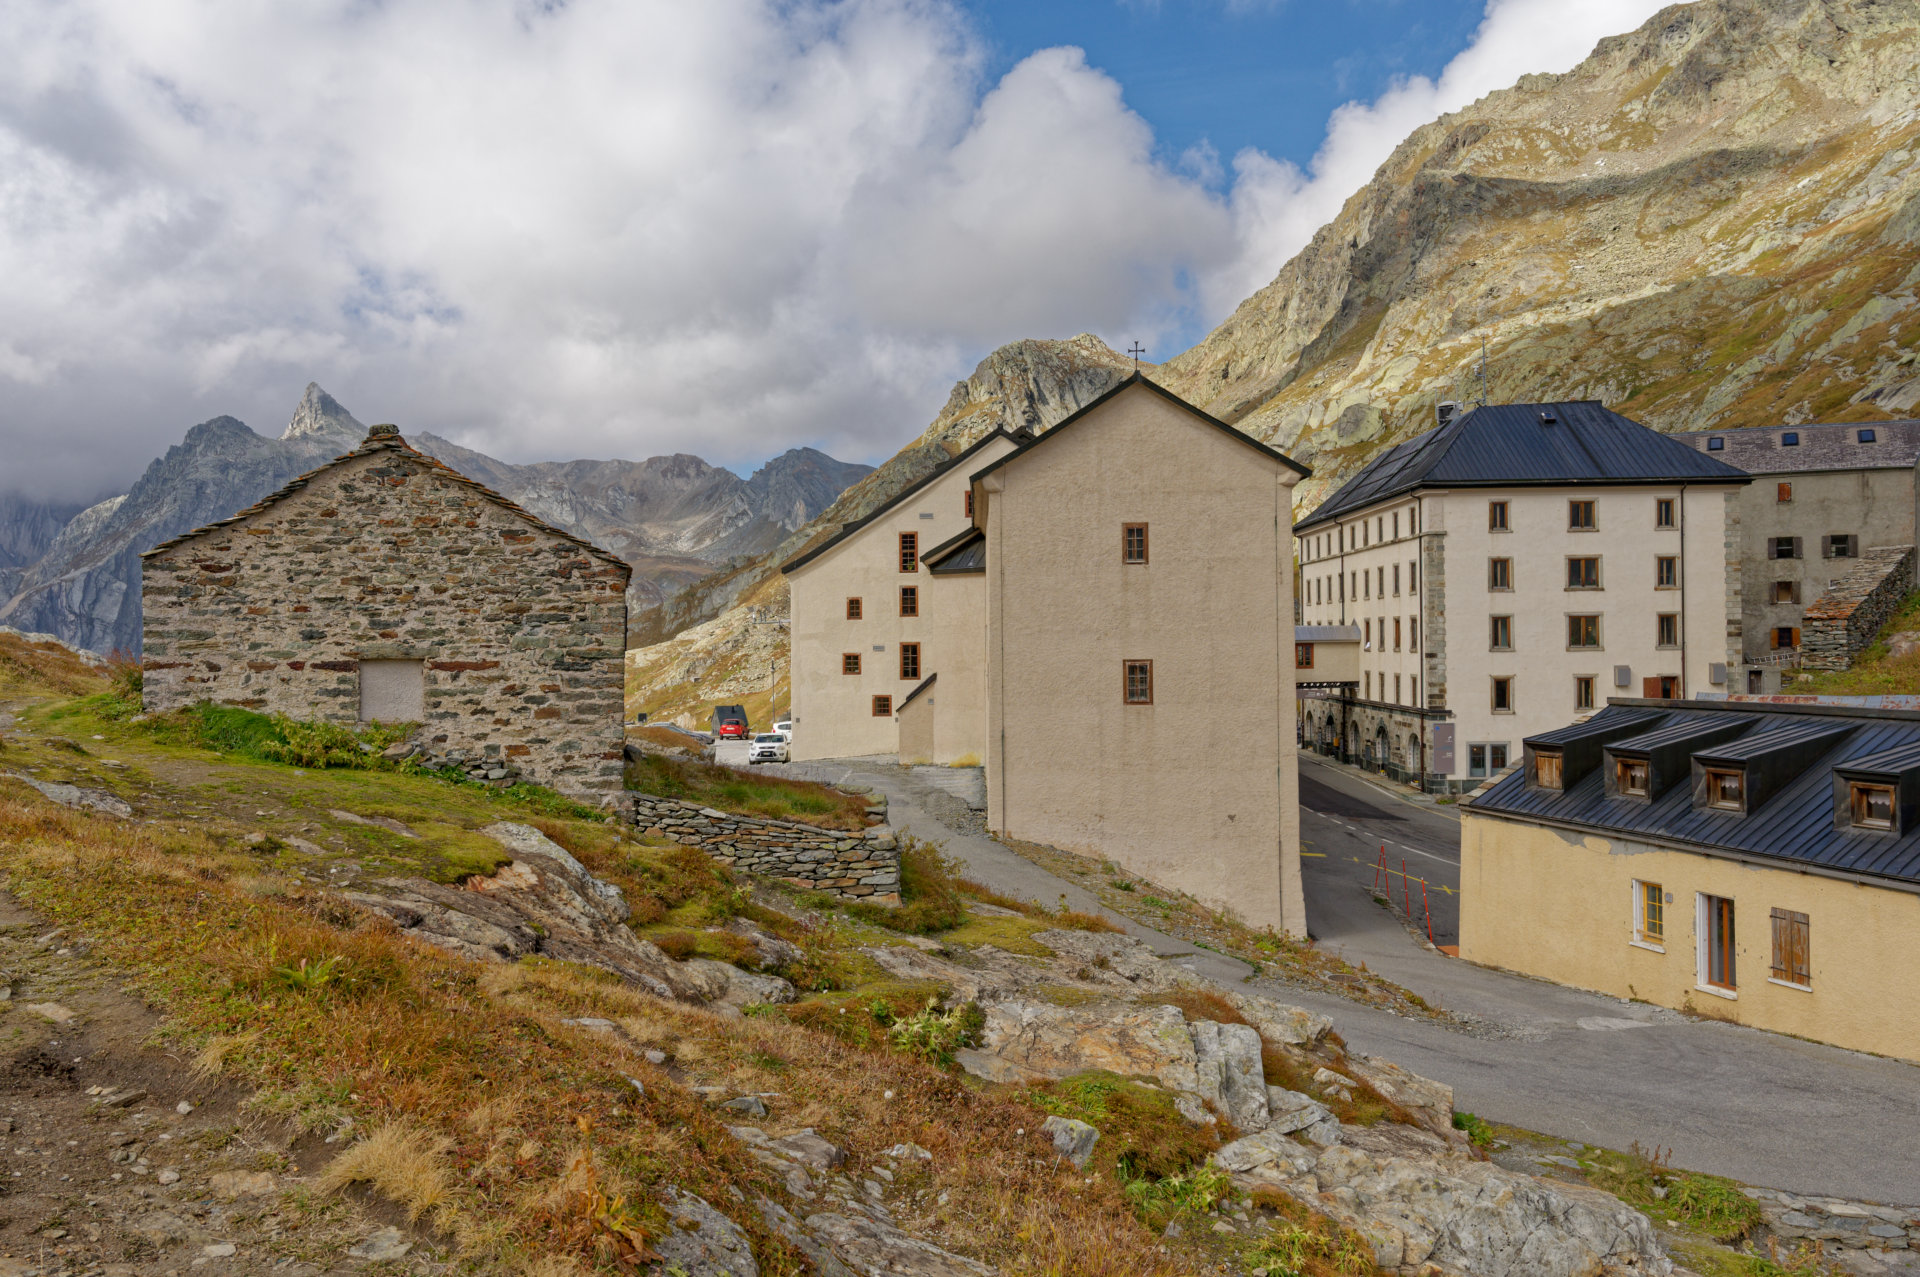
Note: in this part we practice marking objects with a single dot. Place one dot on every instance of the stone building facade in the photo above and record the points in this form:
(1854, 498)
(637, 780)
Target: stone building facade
(385, 586)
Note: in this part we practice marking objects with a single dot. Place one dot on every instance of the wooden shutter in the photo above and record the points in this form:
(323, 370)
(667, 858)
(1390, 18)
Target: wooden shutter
(1650, 688)
(1792, 960)
(1796, 547)
(1826, 547)
(1796, 636)
(1773, 547)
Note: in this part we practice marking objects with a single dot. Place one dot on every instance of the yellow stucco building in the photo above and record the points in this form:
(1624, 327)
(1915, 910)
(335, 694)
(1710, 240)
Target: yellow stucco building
(1752, 862)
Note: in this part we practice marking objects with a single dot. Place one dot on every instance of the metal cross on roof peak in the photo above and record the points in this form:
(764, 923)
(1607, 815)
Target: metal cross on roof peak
(1136, 350)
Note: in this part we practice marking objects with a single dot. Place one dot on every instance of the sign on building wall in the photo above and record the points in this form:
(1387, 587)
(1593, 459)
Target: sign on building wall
(1443, 749)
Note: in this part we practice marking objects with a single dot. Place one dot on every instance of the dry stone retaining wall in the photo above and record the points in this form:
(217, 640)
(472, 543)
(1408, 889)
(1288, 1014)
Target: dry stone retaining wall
(1841, 623)
(859, 866)
(386, 555)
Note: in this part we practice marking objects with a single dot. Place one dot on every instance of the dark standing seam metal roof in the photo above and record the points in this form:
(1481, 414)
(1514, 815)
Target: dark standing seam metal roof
(945, 467)
(1139, 379)
(1757, 449)
(1508, 446)
(1794, 827)
(1607, 718)
(925, 683)
(956, 555)
(1900, 758)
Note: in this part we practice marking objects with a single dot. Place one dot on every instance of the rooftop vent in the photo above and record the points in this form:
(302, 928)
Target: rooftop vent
(1644, 767)
(1741, 776)
(1547, 418)
(1444, 411)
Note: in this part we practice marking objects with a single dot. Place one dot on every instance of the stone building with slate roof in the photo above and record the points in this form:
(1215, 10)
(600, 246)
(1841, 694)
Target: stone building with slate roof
(385, 586)
(1819, 534)
(1509, 569)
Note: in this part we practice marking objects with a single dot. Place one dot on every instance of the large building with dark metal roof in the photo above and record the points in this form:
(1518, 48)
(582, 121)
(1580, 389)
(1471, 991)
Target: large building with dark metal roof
(1826, 497)
(1508, 569)
(1753, 861)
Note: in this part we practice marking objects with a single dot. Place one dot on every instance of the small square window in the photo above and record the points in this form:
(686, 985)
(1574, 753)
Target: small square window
(1583, 573)
(854, 609)
(883, 707)
(1133, 543)
(1580, 516)
(1583, 691)
(1716, 444)
(1791, 439)
(1783, 492)
(1667, 629)
(1650, 913)
(1497, 516)
(1546, 769)
(1499, 574)
(909, 600)
(1583, 631)
(1630, 776)
(1137, 682)
(1786, 591)
(1866, 436)
(1726, 789)
(1871, 806)
(1663, 513)
(849, 662)
(1502, 696)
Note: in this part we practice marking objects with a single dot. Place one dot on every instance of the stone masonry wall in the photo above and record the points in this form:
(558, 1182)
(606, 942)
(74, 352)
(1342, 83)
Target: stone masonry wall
(387, 555)
(863, 866)
(1843, 622)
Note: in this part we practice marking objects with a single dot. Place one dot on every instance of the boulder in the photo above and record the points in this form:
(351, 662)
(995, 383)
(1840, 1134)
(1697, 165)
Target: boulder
(773, 951)
(1428, 1102)
(1130, 1039)
(701, 1242)
(1229, 1073)
(1118, 955)
(1290, 1111)
(1071, 1139)
(873, 1246)
(1277, 1022)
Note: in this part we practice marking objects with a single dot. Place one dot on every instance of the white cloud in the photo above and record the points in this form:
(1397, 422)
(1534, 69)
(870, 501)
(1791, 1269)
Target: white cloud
(606, 227)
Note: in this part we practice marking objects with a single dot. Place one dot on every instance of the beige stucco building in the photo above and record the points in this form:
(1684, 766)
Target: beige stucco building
(1823, 495)
(885, 604)
(1508, 570)
(1141, 649)
(1756, 863)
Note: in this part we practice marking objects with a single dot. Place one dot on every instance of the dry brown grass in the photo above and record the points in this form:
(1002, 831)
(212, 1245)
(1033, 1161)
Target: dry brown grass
(46, 666)
(520, 1138)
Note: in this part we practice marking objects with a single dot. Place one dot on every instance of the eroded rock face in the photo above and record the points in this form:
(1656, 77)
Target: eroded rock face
(1039, 1039)
(545, 901)
(1426, 1208)
(1430, 1103)
(1228, 1071)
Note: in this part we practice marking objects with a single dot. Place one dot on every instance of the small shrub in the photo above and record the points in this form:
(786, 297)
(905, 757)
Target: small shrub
(310, 976)
(929, 899)
(1293, 1247)
(1142, 1135)
(679, 945)
(324, 744)
(1191, 1192)
(1714, 1206)
(1479, 1130)
(934, 1035)
(1200, 1004)
(1075, 920)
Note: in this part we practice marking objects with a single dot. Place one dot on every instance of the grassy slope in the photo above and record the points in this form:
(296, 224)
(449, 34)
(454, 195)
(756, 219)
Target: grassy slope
(1876, 672)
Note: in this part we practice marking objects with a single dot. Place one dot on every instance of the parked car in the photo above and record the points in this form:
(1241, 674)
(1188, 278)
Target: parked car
(768, 747)
(785, 728)
(730, 723)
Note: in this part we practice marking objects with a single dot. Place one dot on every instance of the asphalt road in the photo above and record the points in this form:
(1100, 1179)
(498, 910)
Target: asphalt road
(1758, 1107)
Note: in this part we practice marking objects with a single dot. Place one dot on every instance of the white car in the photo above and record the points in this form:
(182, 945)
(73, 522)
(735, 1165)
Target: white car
(784, 729)
(768, 747)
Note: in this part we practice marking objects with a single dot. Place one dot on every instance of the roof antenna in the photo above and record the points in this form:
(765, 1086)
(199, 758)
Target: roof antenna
(1482, 401)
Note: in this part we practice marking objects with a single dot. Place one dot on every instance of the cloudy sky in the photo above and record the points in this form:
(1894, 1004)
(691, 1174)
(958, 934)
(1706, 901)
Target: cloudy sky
(558, 228)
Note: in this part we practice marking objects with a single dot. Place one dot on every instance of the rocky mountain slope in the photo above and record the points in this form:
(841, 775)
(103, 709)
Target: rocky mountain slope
(1713, 220)
(673, 518)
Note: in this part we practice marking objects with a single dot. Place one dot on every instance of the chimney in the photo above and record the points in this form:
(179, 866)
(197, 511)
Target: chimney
(1444, 411)
(386, 430)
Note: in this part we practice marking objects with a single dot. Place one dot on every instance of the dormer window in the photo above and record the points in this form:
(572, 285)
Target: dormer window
(1630, 776)
(1871, 806)
(1726, 789)
(1546, 769)
(1716, 444)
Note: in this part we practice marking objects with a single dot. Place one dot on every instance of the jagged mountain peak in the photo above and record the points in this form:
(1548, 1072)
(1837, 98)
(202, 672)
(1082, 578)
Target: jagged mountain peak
(320, 413)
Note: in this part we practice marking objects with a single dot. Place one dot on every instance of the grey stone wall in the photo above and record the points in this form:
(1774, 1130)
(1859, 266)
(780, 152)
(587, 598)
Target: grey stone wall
(860, 866)
(1843, 622)
(387, 555)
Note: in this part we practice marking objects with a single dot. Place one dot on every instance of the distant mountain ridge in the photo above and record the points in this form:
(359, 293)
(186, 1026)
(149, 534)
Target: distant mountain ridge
(76, 573)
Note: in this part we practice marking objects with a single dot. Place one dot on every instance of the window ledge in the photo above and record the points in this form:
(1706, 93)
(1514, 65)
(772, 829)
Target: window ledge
(1788, 984)
(1666, 587)
(1731, 995)
(1584, 589)
(1648, 945)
